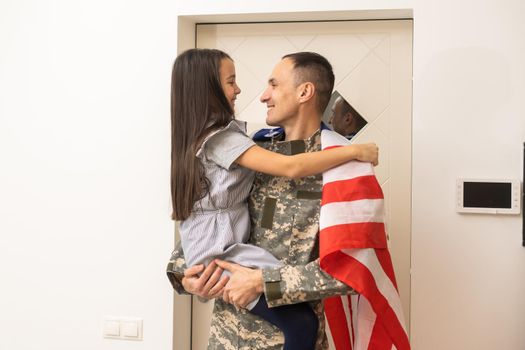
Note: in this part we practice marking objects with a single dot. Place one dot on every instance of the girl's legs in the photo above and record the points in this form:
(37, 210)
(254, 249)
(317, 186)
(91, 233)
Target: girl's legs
(298, 322)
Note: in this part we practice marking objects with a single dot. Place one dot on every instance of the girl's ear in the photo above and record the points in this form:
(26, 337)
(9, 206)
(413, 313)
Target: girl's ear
(305, 91)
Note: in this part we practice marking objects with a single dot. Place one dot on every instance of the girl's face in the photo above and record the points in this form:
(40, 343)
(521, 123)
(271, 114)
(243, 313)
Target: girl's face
(228, 82)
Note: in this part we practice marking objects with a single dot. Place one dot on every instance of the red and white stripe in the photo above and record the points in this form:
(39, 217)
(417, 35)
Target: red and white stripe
(353, 249)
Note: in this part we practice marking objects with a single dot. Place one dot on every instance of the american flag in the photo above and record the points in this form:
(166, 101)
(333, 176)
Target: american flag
(353, 249)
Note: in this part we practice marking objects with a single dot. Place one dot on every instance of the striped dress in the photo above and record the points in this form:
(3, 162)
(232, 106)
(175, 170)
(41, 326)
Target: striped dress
(219, 224)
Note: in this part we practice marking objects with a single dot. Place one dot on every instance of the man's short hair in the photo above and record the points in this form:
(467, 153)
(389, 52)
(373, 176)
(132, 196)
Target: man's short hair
(347, 108)
(314, 68)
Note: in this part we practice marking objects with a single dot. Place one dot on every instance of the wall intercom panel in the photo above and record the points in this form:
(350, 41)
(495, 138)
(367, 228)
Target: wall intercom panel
(488, 196)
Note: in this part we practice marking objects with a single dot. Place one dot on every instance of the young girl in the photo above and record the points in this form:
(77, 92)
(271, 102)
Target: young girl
(212, 171)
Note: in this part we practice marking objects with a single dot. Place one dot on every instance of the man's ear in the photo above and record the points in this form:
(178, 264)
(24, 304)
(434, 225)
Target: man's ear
(306, 91)
(349, 118)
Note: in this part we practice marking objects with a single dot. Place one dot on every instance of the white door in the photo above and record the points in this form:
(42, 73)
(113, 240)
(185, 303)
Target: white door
(372, 62)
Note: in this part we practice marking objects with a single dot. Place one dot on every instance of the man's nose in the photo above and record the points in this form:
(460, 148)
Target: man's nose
(265, 96)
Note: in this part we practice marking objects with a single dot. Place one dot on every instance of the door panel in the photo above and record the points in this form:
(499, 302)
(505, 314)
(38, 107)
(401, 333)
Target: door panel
(372, 63)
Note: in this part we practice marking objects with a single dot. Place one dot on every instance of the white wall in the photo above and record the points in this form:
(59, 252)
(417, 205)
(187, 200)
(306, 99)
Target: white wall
(467, 270)
(84, 149)
(468, 286)
(84, 180)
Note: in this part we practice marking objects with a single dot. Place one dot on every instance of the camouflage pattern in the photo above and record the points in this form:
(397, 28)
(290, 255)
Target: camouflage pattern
(175, 269)
(285, 221)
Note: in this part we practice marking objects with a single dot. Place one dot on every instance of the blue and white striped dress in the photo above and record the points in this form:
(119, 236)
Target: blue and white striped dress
(219, 224)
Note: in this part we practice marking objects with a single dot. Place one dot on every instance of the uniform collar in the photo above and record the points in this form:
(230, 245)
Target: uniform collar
(276, 133)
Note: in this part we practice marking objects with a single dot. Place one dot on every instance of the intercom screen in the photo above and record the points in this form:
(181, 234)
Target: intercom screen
(487, 194)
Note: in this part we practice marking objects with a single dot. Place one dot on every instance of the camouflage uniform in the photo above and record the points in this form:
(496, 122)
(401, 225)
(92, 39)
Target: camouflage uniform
(284, 217)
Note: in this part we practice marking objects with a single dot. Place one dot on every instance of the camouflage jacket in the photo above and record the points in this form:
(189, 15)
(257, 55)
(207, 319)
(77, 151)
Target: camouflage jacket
(284, 217)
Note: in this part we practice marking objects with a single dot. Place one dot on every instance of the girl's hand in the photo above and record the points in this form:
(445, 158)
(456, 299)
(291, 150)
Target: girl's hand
(367, 152)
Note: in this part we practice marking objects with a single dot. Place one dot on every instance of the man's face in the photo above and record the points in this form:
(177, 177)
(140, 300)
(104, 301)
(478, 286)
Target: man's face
(339, 120)
(281, 96)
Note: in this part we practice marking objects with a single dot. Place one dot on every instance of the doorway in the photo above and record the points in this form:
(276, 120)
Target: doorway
(372, 63)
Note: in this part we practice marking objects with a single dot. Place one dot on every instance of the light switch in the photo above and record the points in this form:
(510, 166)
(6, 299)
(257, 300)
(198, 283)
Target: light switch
(124, 328)
(111, 328)
(130, 329)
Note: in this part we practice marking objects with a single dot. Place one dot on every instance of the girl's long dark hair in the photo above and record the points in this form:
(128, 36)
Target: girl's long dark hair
(198, 106)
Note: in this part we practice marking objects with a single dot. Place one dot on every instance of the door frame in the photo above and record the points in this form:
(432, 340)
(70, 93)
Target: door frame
(187, 24)
(186, 39)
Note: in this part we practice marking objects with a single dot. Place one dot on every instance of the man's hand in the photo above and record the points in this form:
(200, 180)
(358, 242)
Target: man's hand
(244, 286)
(208, 285)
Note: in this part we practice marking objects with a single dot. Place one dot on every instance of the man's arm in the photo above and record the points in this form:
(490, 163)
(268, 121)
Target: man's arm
(295, 284)
(281, 286)
(206, 283)
(175, 269)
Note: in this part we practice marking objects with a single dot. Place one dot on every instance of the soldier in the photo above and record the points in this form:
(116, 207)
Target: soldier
(284, 218)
